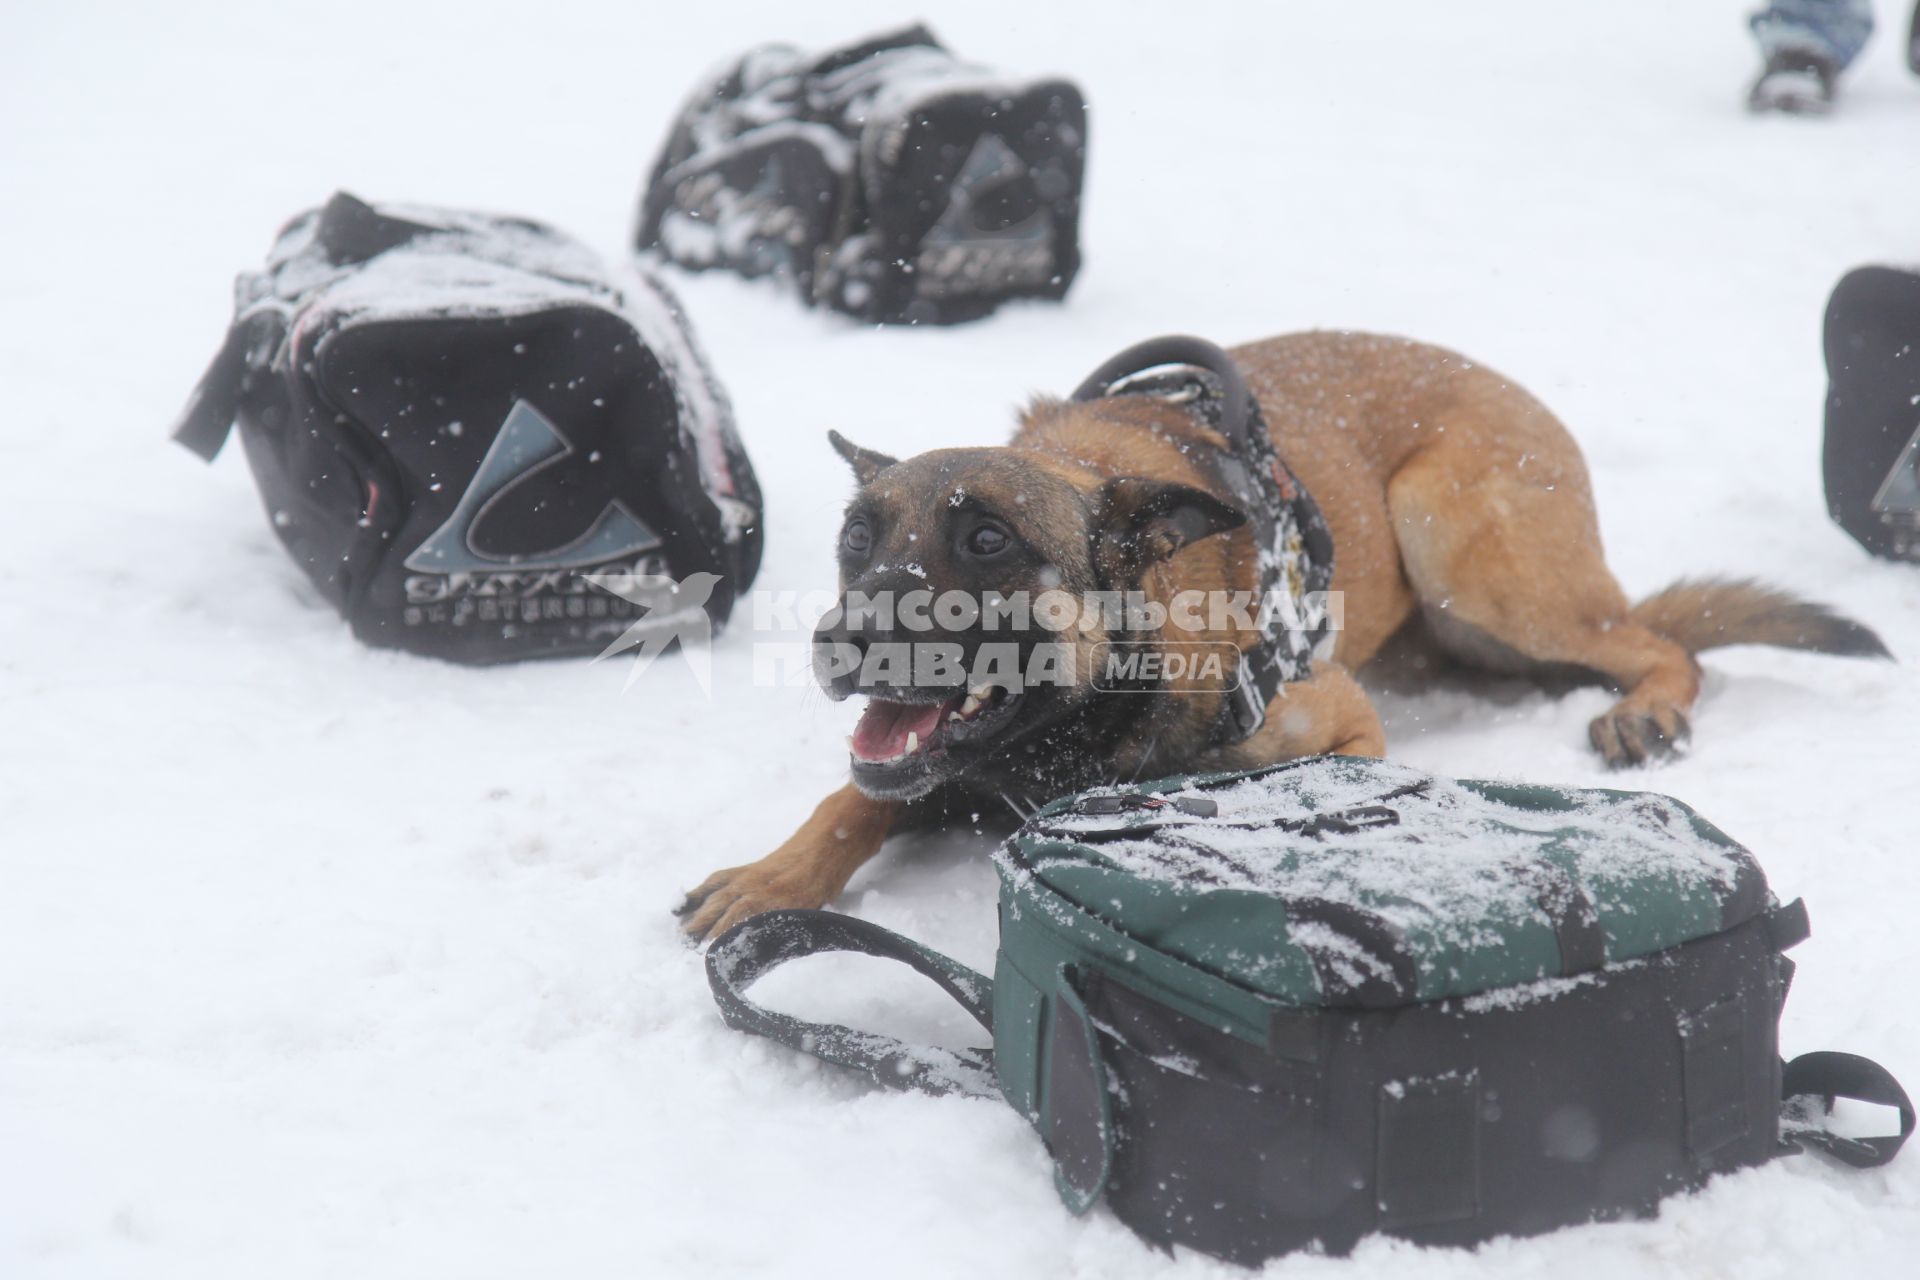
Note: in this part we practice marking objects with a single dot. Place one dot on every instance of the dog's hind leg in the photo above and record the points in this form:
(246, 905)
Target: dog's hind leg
(1502, 549)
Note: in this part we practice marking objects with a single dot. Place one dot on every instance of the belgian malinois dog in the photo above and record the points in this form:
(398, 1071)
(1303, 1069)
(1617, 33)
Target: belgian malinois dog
(1461, 516)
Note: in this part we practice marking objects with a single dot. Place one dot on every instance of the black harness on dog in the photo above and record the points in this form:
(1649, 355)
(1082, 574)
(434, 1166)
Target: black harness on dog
(1295, 545)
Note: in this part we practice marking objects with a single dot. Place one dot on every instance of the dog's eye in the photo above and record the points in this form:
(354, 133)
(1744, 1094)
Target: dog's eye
(856, 537)
(987, 540)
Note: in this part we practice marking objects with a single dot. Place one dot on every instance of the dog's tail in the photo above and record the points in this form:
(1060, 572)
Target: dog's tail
(1709, 613)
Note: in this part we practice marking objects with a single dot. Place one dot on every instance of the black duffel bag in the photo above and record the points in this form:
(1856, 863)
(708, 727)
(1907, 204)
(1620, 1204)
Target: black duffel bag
(457, 419)
(1871, 458)
(889, 180)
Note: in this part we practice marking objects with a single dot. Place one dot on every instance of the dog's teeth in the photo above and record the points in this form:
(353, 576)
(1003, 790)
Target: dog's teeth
(981, 692)
(849, 742)
(913, 742)
(967, 708)
(954, 715)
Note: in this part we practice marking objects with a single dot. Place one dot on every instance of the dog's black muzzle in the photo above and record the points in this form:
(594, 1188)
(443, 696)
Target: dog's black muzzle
(861, 652)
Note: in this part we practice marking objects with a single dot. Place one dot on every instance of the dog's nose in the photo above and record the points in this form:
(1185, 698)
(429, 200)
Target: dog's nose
(877, 639)
(839, 652)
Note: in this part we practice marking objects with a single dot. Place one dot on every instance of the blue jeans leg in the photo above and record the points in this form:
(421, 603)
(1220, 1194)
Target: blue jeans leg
(1832, 29)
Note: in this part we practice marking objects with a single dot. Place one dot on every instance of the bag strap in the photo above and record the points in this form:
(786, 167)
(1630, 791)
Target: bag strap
(348, 231)
(351, 231)
(758, 945)
(917, 36)
(203, 426)
(1819, 1078)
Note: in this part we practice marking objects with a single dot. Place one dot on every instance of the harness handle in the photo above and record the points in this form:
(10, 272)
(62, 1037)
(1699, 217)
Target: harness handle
(759, 944)
(1177, 349)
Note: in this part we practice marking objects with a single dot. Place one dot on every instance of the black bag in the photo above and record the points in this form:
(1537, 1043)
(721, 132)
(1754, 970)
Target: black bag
(454, 418)
(888, 180)
(1258, 1012)
(1872, 455)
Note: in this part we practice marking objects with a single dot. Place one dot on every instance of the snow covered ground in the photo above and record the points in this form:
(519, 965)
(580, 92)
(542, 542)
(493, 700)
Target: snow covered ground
(317, 961)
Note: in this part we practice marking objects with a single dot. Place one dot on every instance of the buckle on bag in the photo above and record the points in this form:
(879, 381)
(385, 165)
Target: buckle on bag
(1193, 806)
(1363, 817)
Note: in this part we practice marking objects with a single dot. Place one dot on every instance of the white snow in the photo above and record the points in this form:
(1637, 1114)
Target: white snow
(319, 961)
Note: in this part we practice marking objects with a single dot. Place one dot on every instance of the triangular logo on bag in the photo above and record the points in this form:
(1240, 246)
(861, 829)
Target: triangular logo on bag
(1899, 493)
(991, 165)
(996, 233)
(527, 443)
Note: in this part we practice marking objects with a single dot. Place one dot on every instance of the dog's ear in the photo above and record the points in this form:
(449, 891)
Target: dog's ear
(866, 463)
(1144, 521)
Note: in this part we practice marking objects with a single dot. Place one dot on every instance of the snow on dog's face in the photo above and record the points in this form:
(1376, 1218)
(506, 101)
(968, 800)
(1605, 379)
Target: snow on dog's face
(964, 616)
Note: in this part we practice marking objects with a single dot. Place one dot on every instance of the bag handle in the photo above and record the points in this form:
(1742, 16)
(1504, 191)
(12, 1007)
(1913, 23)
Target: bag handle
(1822, 1077)
(203, 426)
(756, 946)
(349, 231)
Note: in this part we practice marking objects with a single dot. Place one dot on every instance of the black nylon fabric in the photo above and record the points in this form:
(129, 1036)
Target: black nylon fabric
(1871, 455)
(1444, 1123)
(889, 180)
(456, 420)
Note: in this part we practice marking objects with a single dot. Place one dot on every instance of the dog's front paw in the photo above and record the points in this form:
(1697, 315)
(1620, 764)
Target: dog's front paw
(1629, 735)
(727, 897)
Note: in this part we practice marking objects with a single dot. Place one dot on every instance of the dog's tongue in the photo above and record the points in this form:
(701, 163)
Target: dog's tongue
(883, 728)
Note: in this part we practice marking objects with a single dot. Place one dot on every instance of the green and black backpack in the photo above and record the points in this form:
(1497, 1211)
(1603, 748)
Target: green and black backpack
(1264, 1010)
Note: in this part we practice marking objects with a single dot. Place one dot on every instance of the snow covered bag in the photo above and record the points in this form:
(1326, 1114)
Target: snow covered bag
(1263, 1011)
(889, 180)
(1871, 453)
(455, 418)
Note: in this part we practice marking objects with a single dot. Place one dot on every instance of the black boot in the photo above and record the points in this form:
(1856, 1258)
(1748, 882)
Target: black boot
(1795, 80)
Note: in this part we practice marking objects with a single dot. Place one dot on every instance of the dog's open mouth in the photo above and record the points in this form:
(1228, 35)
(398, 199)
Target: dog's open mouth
(893, 733)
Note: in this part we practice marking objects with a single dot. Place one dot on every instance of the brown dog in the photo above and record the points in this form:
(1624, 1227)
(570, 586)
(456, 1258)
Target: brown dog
(1460, 510)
